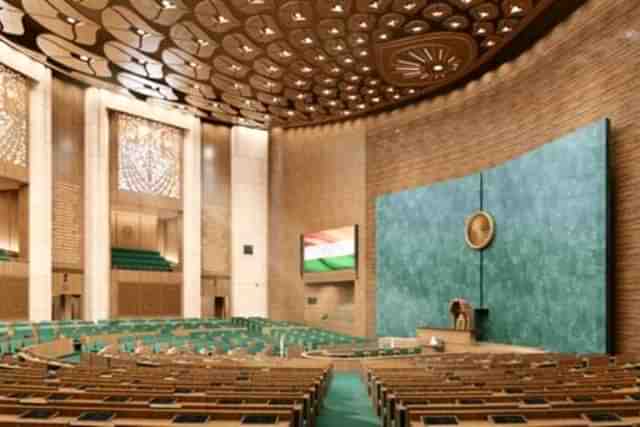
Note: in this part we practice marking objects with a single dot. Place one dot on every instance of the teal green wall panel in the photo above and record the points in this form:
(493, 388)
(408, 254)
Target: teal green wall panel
(545, 275)
(422, 259)
(543, 279)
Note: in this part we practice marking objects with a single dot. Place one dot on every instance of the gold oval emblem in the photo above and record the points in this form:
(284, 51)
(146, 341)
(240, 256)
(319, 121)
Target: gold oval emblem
(479, 230)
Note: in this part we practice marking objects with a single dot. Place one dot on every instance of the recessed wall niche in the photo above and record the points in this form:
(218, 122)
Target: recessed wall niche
(14, 193)
(146, 217)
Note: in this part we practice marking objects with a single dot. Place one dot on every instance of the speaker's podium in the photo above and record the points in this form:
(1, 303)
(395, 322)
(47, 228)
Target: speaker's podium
(462, 331)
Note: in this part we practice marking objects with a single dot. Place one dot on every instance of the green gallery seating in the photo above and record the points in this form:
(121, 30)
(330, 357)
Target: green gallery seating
(137, 259)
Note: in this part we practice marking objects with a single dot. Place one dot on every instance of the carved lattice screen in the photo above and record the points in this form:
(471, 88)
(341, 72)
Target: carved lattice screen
(14, 117)
(148, 156)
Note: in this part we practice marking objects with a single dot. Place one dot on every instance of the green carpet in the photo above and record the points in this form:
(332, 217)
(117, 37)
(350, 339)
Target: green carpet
(347, 404)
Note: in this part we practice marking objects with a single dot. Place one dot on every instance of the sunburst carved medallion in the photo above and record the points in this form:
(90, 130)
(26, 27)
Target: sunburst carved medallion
(430, 59)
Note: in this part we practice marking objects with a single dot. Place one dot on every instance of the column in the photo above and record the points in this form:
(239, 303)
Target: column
(40, 197)
(249, 215)
(97, 275)
(192, 222)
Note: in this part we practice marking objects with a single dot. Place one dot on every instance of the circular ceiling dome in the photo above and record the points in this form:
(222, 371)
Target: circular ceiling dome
(267, 63)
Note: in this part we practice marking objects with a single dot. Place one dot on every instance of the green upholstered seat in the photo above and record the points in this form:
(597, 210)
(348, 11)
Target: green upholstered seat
(134, 259)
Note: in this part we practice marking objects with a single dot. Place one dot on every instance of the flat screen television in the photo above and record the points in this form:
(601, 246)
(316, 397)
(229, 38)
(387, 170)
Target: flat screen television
(330, 250)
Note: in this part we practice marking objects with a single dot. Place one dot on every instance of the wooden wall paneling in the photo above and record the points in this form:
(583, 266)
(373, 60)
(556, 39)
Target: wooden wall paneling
(14, 285)
(172, 300)
(317, 182)
(128, 299)
(9, 221)
(23, 222)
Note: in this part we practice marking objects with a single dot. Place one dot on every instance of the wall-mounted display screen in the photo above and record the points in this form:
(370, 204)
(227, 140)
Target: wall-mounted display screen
(330, 250)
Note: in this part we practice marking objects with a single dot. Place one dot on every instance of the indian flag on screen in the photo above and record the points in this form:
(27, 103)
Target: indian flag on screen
(330, 250)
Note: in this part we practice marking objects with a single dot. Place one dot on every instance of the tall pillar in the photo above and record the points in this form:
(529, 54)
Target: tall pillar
(192, 222)
(249, 215)
(97, 274)
(40, 197)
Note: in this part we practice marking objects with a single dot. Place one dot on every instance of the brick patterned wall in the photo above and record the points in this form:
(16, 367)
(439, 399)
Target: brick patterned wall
(68, 174)
(584, 70)
(67, 224)
(216, 199)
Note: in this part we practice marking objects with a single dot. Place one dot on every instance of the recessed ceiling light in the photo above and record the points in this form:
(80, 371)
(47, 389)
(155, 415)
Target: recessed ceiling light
(438, 67)
(71, 20)
(246, 48)
(481, 30)
(409, 6)
(299, 83)
(374, 4)
(298, 17)
(306, 69)
(392, 23)
(455, 24)
(348, 60)
(396, 96)
(220, 19)
(333, 103)
(290, 113)
(335, 70)
(320, 57)
(202, 42)
(307, 40)
(437, 13)
(360, 40)
(85, 58)
(141, 32)
(506, 29)
(337, 8)
(376, 99)
(346, 112)
(195, 65)
(490, 43)
(168, 4)
(411, 91)
(364, 25)
(267, 31)
(516, 9)
(383, 36)
(334, 30)
(285, 53)
(352, 97)
(272, 69)
(366, 68)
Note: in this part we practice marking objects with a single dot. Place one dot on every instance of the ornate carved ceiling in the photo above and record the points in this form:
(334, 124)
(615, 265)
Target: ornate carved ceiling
(269, 62)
